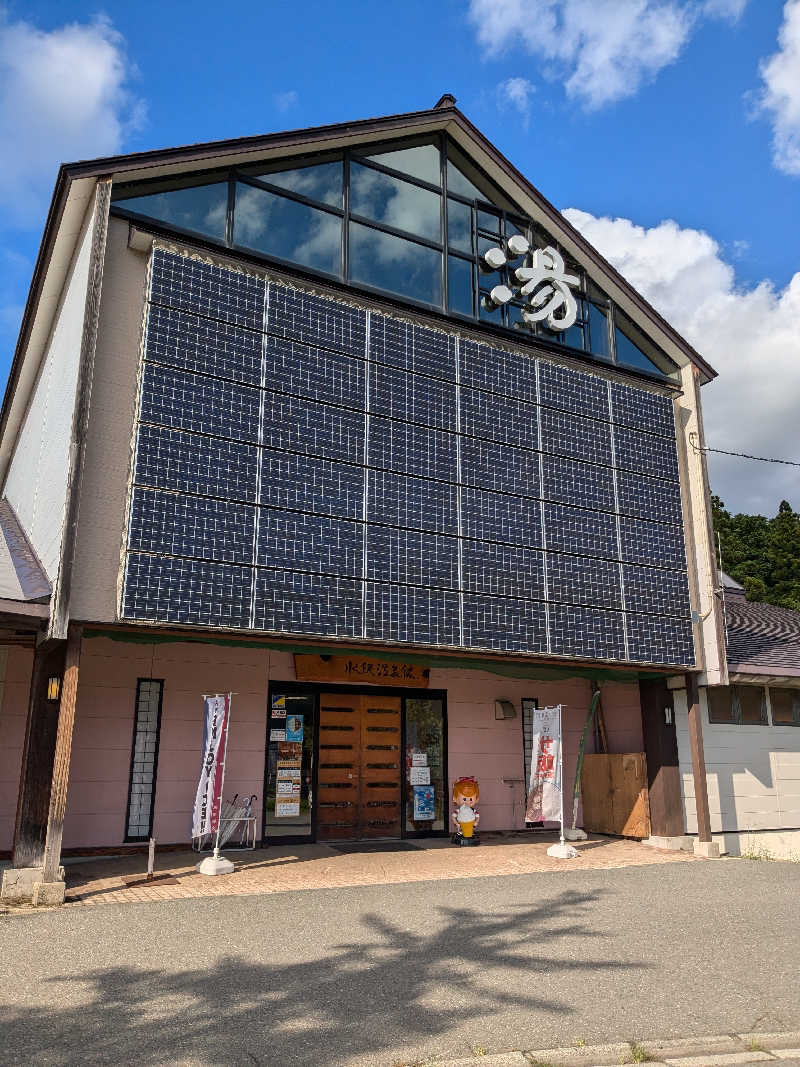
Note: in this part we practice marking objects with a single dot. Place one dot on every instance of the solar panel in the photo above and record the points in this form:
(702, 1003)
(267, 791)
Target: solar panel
(412, 613)
(314, 373)
(305, 466)
(497, 466)
(412, 348)
(202, 345)
(498, 418)
(295, 540)
(220, 293)
(498, 370)
(411, 557)
(642, 409)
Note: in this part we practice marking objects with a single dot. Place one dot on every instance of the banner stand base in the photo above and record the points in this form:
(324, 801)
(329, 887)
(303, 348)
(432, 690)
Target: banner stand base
(562, 851)
(575, 834)
(215, 864)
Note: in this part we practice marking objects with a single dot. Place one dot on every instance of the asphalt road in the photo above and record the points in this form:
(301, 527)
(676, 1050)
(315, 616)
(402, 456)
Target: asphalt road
(392, 974)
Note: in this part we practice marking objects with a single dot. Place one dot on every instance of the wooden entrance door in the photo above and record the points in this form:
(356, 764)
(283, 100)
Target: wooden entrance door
(359, 766)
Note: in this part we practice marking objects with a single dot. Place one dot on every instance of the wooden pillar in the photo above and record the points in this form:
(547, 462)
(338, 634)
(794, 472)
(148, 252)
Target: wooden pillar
(661, 749)
(698, 759)
(63, 751)
(36, 773)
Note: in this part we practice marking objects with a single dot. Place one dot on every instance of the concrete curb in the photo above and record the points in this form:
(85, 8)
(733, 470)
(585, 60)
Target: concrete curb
(718, 1051)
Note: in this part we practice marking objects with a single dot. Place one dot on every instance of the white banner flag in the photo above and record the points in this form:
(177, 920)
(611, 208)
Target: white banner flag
(544, 788)
(205, 819)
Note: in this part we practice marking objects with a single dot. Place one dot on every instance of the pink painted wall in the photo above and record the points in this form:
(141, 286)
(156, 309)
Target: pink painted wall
(13, 716)
(479, 744)
(492, 750)
(101, 752)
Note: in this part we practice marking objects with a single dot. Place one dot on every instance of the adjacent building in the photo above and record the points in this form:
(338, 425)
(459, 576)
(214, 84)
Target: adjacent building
(349, 422)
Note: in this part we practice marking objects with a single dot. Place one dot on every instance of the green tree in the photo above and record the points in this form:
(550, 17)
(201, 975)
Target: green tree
(761, 554)
(783, 554)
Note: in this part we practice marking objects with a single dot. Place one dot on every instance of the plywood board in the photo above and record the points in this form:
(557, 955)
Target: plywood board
(614, 793)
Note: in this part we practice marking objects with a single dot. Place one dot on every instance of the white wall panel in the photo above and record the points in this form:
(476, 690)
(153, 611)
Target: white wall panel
(753, 774)
(36, 485)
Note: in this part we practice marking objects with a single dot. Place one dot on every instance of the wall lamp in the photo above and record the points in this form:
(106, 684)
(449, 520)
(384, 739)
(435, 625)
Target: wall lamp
(53, 688)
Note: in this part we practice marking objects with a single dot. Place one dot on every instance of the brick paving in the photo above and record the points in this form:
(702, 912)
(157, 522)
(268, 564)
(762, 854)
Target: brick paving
(287, 868)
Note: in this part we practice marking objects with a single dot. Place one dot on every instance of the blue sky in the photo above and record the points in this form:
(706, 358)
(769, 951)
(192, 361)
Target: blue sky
(671, 128)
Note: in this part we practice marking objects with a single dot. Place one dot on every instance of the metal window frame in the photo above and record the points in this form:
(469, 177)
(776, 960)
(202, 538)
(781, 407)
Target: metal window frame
(127, 838)
(736, 707)
(534, 231)
(795, 705)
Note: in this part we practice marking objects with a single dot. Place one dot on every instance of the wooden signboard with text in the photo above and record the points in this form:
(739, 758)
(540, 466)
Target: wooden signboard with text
(354, 670)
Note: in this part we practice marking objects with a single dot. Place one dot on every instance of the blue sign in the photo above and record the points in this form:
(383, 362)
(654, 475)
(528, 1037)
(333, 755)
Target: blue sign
(294, 728)
(423, 803)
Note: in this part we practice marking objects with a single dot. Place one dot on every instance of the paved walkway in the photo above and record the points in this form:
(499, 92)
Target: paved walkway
(287, 868)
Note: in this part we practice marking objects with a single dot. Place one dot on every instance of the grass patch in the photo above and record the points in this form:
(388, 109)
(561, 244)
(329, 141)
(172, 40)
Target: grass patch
(639, 1053)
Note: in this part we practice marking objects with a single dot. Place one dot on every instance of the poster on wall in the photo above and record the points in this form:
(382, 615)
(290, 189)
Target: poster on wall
(420, 776)
(294, 728)
(544, 788)
(279, 706)
(424, 807)
(286, 809)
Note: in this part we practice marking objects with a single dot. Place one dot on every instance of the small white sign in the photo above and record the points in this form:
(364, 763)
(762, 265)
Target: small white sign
(277, 735)
(285, 809)
(285, 787)
(420, 776)
(419, 759)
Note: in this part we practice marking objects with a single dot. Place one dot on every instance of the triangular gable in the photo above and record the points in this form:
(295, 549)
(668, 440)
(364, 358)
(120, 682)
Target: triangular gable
(76, 181)
(414, 218)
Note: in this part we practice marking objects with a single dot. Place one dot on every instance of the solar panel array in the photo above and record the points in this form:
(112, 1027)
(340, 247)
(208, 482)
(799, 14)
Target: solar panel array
(306, 466)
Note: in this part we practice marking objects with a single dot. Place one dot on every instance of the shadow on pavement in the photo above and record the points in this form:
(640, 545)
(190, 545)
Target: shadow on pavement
(397, 988)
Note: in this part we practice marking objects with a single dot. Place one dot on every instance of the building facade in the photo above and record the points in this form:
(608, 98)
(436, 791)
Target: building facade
(351, 423)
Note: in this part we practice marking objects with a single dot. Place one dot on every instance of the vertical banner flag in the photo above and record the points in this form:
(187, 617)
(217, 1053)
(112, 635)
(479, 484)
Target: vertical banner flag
(544, 790)
(205, 819)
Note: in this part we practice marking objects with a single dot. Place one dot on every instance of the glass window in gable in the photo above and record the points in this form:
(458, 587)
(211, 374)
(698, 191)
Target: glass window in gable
(598, 330)
(322, 181)
(422, 162)
(459, 226)
(276, 226)
(394, 202)
(201, 208)
(459, 285)
(387, 262)
(634, 349)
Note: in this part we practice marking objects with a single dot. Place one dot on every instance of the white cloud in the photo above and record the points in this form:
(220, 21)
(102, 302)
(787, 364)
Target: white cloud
(285, 101)
(603, 50)
(749, 336)
(517, 93)
(63, 96)
(724, 9)
(780, 97)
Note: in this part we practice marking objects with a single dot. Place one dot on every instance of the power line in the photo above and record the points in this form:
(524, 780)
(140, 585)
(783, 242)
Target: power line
(744, 455)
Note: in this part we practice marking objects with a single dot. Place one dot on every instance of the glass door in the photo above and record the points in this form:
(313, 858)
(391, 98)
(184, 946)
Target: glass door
(426, 804)
(289, 793)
